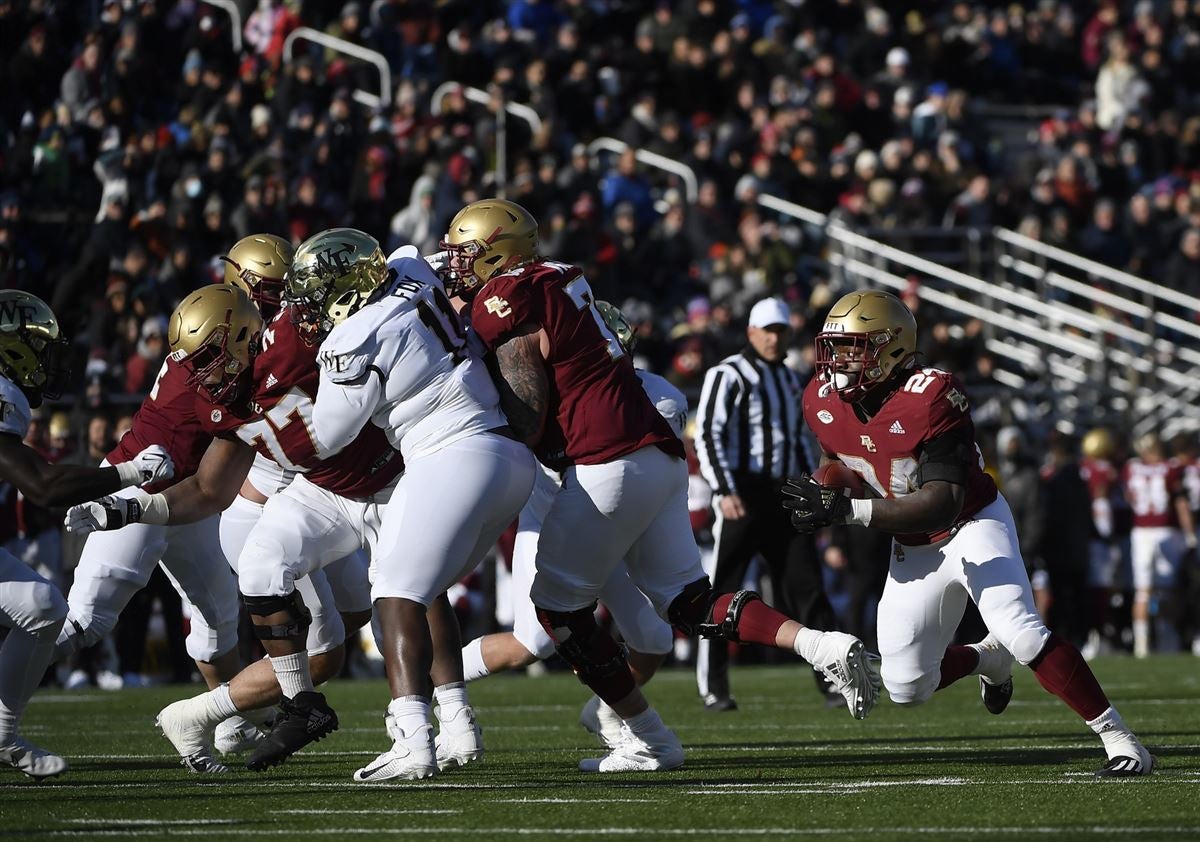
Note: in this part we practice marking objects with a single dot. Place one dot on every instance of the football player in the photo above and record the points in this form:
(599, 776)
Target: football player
(907, 432)
(33, 367)
(114, 567)
(1162, 532)
(1104, 552)
(394, 353)
(256, 388)
(647, 637)
(570, 390)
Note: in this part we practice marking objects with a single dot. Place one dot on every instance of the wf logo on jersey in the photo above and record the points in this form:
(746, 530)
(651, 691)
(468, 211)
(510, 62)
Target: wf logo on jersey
(866, 442)
(498, 307)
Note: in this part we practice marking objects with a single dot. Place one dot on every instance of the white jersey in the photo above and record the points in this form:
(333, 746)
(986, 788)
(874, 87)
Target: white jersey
(669, 401)
(404, 363)
(15, 414)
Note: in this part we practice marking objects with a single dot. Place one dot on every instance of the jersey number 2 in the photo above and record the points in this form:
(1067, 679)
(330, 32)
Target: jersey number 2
(582, 295)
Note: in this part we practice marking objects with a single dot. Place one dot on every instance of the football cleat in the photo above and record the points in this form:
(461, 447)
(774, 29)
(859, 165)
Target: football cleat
(459, 740)
(602, 721)
(305, 719)
(995, 674)
(1135, 764)
(658, 753)
(412, 757)
(237, 735)
(719, 704)
(843, 660)
(35, 762)
(180, 722)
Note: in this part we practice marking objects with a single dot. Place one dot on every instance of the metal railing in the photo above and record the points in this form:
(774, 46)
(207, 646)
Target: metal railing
(381, 100)
(691, 185)
(235, 21)
(482, 97)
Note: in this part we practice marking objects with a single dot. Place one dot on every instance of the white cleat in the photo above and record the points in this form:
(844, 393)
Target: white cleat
(109, 680)
(1132, 761)
(35, 762)
(77, 680)
(843, 660)
(659, 753)
(602, 721)
(459, 740)
(180, 722)
(237, 735)
(410, 758)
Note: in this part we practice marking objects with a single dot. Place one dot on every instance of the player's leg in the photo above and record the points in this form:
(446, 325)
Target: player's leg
(112, 568)
(1167, 558)
(302, 529)
(919, 612)
(528, 641)
(734, 544)
(33, 611)
(1143, 541)
(649, 640)
(423, 547)
(664, 563)
(1000, 587)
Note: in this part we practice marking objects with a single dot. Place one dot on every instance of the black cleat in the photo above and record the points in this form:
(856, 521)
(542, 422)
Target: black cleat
(305, 719)
(1125, 766)
(719, 704)
(996, 696)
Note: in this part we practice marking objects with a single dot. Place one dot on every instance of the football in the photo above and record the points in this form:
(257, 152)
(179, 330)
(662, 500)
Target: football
(837, 475)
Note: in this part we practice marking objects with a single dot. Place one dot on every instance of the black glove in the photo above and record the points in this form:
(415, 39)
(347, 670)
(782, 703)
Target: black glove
(815, 506)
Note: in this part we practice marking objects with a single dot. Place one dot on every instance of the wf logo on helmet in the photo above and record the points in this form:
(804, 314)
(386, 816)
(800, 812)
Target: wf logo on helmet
(335, 260)
(15, 311)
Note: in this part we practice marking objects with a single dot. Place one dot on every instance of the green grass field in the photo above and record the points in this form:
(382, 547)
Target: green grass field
(781, 767)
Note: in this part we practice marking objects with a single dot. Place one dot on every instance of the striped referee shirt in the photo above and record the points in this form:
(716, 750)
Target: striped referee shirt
(750, 422)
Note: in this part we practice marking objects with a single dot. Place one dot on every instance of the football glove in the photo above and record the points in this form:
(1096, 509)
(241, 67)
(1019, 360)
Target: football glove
(154, 464)
(103, 515)
(815, 506)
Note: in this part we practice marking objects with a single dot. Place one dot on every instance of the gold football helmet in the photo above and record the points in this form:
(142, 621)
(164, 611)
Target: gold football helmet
(333, 274)
(33, 352)
(257, 265)
(1099, 444)
(486, 238)
(618, 324)
(214, 334)
(866, 336)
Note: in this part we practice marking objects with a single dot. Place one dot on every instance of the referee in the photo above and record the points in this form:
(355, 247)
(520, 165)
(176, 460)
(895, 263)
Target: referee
(749, 439)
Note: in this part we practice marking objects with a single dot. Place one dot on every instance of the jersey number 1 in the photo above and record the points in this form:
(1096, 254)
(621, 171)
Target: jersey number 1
(582, 295)
(448, 329)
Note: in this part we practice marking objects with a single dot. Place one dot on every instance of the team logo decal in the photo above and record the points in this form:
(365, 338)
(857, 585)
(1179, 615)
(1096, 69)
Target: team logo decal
(866, 442)
(216, 416)
(958, 399)
(896, 428)
(825, 416)
(498, 306)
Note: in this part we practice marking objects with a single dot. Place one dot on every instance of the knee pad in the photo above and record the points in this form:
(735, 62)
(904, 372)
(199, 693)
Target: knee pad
(692, 608)
(912, 693)
(205, 643)
(1028, 644)
(591, 652)
(264, 606)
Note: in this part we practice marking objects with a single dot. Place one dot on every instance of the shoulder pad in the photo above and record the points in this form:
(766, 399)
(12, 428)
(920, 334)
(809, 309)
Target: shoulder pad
(344, 356)
(15, 414)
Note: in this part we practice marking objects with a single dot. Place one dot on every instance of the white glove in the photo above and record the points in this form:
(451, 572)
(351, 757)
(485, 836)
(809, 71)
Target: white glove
(103, 515)
(152, 465)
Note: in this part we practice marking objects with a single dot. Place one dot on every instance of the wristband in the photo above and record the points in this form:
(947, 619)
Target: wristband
(129, 473)
(154, 508)
(860, 512)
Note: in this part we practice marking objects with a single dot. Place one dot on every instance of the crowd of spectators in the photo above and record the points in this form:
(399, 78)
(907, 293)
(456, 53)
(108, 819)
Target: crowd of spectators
(138, 145)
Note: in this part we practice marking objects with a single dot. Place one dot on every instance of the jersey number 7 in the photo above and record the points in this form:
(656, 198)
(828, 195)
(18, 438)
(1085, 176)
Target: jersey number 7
(582, 295)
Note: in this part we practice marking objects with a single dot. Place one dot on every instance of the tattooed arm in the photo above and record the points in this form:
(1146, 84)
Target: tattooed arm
(520, 374)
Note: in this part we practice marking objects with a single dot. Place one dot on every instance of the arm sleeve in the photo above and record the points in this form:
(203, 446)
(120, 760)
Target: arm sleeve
(946, 458)
(344, 406)
(717, 400)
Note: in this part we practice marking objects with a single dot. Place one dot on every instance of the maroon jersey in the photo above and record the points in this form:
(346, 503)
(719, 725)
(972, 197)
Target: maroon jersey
(885, 450)
(1151, 489)
(277, 420)
(598, 410)
(1102, 482)
(1191, 482)
(167, 418)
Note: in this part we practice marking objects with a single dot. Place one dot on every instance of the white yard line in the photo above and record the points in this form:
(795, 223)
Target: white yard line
(643, 832)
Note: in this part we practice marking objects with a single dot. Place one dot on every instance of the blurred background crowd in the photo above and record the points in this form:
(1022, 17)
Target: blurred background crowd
(140, 143)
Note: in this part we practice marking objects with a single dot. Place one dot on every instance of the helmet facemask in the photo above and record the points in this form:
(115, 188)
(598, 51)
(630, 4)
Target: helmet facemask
(471, 266)
(216, 370)
(266, 293)
(851, 363)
